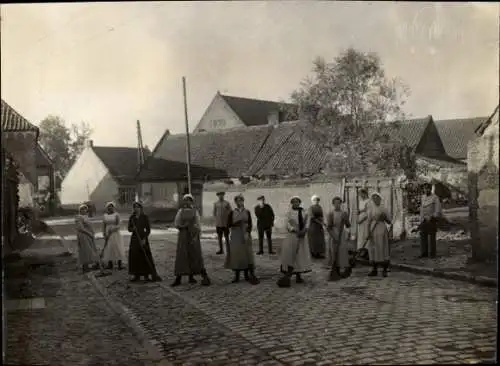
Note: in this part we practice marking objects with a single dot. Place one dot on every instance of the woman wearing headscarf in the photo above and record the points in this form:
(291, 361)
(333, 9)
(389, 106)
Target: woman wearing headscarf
(113, 243)
(140, 258)
(189, 258)
(363, 229)
(240, 256)
(378, 246)
(316, 232)
(338, 251)
(87, 250)
(295, 253)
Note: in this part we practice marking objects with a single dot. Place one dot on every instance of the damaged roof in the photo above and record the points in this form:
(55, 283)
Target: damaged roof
(456, 134)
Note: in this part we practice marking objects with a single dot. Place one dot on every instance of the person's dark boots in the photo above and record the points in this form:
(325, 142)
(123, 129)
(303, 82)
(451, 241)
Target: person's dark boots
(285, 281)
(110, 265)
(334, 274)
(385, 268)
(298, 278)
(221, 250)
(373, 272)
(85, 268)
(236, 277)
(192, 280)
(260, 252)
(135, 279)
(205, 279)
(120, 265)
(253, 278)
(156, 278)
(245, 275)
(347, 273)
(177, 281)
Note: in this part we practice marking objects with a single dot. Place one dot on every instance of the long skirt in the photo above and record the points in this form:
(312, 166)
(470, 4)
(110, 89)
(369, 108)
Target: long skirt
(295, 253)
(188, 257)
(338, 251)
(114, 248)
(140, 258)
(378, 247)
(87, 250)
(316, 238)
(240, 255)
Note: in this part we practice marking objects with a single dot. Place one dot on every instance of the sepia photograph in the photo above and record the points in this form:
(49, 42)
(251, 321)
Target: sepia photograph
(249, 183)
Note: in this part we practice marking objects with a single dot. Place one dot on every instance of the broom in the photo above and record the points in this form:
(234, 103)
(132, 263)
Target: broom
(102, 272)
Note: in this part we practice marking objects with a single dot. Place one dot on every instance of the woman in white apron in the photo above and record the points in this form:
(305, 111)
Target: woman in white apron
(295, 253)
(378, 249)
(113, 251)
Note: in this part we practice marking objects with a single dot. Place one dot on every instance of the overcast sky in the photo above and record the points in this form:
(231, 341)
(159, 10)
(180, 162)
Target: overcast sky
(110, 64)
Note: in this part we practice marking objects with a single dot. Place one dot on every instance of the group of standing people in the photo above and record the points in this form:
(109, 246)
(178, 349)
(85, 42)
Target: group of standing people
(140, 259)
(305, 239)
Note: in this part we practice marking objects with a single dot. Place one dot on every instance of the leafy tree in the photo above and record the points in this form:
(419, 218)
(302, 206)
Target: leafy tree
(342, 101)
(62, 144)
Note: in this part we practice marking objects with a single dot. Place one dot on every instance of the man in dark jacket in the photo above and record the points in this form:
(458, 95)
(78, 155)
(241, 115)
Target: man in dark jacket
(265, 223)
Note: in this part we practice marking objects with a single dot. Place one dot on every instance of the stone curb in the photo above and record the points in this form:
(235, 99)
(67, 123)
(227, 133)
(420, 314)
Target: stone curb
(478, 280)
(153, 351)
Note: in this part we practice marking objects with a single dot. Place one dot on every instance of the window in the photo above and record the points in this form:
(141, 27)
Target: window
(218, 123)
(126, 195)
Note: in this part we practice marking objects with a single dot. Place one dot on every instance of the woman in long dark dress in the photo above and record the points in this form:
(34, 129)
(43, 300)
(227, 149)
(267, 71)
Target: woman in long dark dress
(140, 258)
(316, 232)
(240, 256)
(189, 257)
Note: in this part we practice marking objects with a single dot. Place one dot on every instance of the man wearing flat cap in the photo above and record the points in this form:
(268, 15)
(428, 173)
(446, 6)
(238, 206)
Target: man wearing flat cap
(265, 222)
(221, 212)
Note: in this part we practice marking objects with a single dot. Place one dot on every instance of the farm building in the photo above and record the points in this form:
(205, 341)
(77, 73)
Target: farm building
(102, 174)
(483, 179)
(226, 111)
(267, 160)
(19, 142)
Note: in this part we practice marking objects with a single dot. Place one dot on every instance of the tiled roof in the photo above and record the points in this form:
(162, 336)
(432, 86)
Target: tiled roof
(231, 150)
(288, 151)
(408, 131)
(456, 133)
(122, 162)
(157, 169)
(12, 121)
(253, 112)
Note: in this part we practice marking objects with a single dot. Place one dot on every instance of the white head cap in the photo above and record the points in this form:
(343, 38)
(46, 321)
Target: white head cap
(314, 199)
(188, 197)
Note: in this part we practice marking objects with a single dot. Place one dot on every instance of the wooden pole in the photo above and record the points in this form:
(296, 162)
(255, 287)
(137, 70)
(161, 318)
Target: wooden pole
(188, 144)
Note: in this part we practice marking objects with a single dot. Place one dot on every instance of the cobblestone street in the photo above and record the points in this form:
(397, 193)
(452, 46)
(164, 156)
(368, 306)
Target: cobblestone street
(67, 321)
(402, 319)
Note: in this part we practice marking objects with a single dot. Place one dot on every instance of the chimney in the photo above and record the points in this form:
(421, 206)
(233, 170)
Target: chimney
(273, 118)
(89, 143)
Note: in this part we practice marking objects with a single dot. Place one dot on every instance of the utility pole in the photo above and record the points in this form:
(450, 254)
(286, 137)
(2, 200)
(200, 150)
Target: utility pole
(188, 144)
(140, 159)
